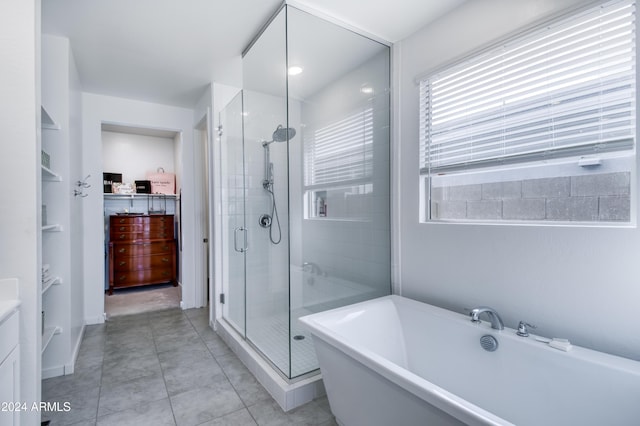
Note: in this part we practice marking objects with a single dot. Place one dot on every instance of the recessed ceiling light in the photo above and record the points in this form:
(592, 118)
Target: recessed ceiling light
(366, 89)
(295, 70)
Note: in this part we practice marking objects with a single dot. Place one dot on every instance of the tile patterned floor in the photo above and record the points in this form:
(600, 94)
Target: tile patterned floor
(271, 335)
(166, 368)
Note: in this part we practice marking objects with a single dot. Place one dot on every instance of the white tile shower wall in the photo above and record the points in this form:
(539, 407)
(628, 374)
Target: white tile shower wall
(354, 245)
(267, 263)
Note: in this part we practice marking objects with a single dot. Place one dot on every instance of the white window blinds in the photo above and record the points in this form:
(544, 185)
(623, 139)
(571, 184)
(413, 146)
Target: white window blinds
(341, 152)
(565, 89)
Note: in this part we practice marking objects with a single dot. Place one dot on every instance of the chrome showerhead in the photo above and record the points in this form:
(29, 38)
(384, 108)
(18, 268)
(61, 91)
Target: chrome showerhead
(282, 134)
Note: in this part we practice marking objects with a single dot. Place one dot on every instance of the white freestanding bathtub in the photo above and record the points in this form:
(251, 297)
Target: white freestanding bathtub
(395, 361)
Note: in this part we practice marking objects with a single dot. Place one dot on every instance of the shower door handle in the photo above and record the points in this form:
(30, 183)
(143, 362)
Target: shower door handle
(235, 240)
(245, 247)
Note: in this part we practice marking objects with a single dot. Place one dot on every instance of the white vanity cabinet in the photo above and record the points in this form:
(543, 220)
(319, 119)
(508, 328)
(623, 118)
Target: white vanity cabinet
(9, 364)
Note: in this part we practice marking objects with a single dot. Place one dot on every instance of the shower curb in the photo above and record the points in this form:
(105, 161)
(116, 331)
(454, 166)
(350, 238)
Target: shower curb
(287, 395)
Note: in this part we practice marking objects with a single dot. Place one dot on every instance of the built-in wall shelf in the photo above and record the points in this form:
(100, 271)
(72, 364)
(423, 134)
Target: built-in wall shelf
(60, 283)
(47, 122)
(46, 285)
(140, 203)
(50, 175)
(133, 196)
(48, 334)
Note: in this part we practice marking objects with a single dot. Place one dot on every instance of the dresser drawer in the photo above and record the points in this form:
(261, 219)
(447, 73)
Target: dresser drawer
(146, 276)
(127, 220)
(143, 235)
(142, 249)
(160, 226)
(142, 227)
(160, 219)
(130, 220)
(135, 263)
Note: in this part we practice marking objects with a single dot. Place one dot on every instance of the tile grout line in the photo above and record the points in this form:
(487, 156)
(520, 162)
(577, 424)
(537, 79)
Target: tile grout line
(104, 344)
(224, 373)
(155, 345)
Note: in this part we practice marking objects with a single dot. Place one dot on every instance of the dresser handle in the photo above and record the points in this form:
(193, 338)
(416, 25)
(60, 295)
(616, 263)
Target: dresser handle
(165, 273)
(122, 220)
(122, 236)
(165, 248)
(122, 250)
(123, 263)
(162, 219)
(122, 228)
(165, 260)
(123, 277)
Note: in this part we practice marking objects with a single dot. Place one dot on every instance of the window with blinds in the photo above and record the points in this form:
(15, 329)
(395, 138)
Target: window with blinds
(566, 89)
(340, 153)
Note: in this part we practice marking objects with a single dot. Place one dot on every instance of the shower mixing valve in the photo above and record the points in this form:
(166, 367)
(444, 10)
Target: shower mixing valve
(265, 221)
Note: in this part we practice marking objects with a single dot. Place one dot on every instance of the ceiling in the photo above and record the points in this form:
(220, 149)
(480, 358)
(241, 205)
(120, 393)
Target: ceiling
(168, 51)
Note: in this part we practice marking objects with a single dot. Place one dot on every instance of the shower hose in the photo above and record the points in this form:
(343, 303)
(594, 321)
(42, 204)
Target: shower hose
(274, 215)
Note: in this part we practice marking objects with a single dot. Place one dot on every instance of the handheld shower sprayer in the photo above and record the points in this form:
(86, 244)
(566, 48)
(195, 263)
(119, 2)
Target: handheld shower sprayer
(281, 134)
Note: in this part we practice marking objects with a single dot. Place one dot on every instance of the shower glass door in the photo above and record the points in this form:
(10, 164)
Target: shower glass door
(256, 200)
(267, 279)
(233, 228)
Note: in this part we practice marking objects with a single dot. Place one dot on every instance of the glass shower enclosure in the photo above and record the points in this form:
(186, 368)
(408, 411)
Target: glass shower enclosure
(306, 189)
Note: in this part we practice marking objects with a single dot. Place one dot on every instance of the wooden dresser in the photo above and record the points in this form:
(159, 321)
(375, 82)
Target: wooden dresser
(142, 251)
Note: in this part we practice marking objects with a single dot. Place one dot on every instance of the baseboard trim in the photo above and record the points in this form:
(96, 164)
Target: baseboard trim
(50, 372)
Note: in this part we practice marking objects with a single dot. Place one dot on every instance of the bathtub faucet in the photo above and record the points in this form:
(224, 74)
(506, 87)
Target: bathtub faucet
(311, 267)
(496, 321)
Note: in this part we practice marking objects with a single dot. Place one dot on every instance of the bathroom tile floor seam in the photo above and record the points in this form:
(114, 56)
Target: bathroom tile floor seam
(166, 368)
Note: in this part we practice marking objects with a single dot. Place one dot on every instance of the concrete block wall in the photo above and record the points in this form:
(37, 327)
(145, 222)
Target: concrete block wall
(603, 197)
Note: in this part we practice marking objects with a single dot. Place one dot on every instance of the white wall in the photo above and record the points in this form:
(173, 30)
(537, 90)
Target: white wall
(203, 152)
(76, 208)
(20, 171)
(136, 155)
(573, 282)
(96, 110)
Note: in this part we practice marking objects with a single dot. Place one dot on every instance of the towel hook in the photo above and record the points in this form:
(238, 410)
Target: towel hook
(83, 183)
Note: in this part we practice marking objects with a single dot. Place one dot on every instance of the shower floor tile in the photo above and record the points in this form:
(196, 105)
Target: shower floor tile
(271, 336)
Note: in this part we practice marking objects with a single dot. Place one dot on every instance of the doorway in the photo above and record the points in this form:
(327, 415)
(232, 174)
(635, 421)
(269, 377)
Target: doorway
(142, 252)
(203, 180)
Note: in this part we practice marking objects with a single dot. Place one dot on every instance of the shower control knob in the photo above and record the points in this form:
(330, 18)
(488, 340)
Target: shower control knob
(264, 221)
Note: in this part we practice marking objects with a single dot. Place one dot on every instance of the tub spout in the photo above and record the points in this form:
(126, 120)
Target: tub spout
(496, 321)
(312, 267)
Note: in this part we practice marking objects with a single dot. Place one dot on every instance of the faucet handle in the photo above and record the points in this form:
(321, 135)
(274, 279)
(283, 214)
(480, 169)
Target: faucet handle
(523, 329)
